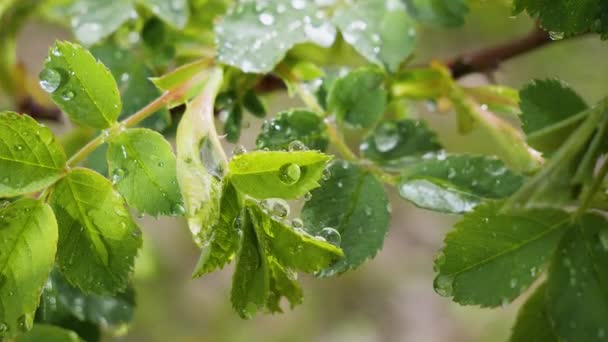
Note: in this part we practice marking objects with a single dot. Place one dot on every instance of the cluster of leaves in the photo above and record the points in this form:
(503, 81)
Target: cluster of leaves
(68, 241)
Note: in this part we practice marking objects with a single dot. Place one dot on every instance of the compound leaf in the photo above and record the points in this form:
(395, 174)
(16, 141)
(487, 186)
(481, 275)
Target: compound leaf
(30, 157)
(354, 203)
(141, 159)
(287, 175)
(458, 183)
(28, 242)
(98, 240)
(81, 86)
(506, 249)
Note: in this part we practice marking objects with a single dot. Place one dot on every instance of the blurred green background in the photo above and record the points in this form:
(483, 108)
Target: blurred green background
(391, 297)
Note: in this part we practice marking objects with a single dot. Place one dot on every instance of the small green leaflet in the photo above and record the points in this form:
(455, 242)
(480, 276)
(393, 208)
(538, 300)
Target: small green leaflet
(174, 12)
(28, 242)
(223, 240)
(292, 249)
(508, 250)
(48, 333)
(446, 13)
(381, 31)
(190, 78)
(296, 124)
(577, 301)
(394, 144)
(358, 98)
(533, 324)
(81, 86)
(280, 174)
(353, 202)
(254, 36)
(61, 303)
(94, 20)
(420, 83)
(549, 109)
(458, 183)
(142, 159)
(30, 157)
(270, 253)
(98, 240)
(201, 162)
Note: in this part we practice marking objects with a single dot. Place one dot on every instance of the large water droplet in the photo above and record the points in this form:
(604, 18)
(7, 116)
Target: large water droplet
(331, 235)
(386, 137)
(290, 173)
(444, 285)
(276, 207)
(50, 79)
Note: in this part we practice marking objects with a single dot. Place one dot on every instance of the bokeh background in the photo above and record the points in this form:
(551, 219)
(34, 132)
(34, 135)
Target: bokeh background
(391, 297)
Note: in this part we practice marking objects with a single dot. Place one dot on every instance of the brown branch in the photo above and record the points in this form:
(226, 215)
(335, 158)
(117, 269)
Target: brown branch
(488, 59)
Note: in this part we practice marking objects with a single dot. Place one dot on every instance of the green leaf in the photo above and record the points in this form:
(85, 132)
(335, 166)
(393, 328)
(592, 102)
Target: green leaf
(188, 79)
(81, 86)
(456, 184)
(563, 16)
(283, 283)
(577, 300)
(254, 37)
(380, 31)
(353, 202)
(135, 87)
(30, 157)
(98, 240)
(533, 324)
(250, 282)
(143, 170)
(446, 13)
(48, 333)
(394, 144)
(28, 242)
(223, 240)
(358, 98)
(505, 249)
(295, 124)
(254, 104)
(292, 249)
(549, 109)
(421, 83)
(94, 20)
(232, 126)
(61, 302)
(174, 12)
(287, 175)
(201, 162)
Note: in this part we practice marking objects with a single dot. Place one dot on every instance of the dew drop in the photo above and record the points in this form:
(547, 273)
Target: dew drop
(444, 285)
(440, 259)
(3, 327)
(50, 80)
(307, 196)
(67, 95)
(326, 174)
(178, 210)
(18, 147)
(290, 173)
(238, 150)
(297, 145)
(554, 35)
(266, 19)
(161, 164)
(276, 207)
(331, 235)
(297, 223)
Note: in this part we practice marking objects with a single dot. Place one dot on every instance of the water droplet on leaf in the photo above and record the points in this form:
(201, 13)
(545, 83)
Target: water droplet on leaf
(67, 95)
(290, 173)
(331, 235)
(386, 137)
(50, 80)
(444, 285)
(297, 223)
(238, 150)
(307, 196)
(297, 145)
